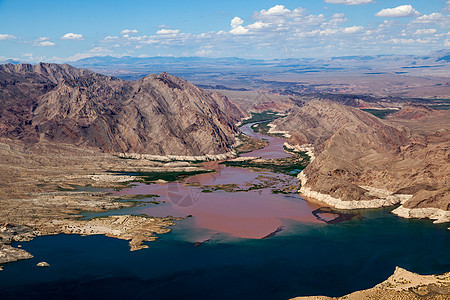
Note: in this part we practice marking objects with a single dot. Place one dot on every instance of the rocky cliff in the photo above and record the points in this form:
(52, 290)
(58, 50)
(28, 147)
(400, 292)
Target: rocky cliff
(158, 114)
(362, 161)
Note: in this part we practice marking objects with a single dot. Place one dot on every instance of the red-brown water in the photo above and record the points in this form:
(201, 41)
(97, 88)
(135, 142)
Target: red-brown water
(245, 214)
(273, 150)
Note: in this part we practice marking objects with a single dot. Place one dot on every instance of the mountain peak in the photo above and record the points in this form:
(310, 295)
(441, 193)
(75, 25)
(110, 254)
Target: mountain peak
(158, 114)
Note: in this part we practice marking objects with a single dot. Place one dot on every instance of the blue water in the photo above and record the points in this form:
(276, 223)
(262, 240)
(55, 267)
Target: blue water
(306, 259)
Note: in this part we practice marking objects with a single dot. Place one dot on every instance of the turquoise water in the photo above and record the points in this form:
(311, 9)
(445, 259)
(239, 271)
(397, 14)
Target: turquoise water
(303, 260)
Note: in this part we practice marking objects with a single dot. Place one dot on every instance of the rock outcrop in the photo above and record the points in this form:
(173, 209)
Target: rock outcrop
(43, 264)
(365, 162)
(158, 114)
(401, 285)
(10, 254)
(136, 229)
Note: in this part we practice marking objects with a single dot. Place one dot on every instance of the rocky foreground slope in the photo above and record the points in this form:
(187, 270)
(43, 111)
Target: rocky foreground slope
(158, 114)
(365, 162)
(401, 285)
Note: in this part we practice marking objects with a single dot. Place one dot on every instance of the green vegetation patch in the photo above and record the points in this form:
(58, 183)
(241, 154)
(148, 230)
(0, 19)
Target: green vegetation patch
(276, 184)
(249, 144)
(141, 202)
(169, 176)
(263, 128)
(261, 117)
(380, 113)
(289, 165)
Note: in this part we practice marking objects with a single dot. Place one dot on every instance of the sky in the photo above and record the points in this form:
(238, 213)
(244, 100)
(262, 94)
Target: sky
(65, 31)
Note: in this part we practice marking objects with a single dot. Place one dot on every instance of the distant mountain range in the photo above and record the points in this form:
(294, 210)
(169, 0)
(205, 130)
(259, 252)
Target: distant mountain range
(9, 61)
(432, 57)
(128, 67)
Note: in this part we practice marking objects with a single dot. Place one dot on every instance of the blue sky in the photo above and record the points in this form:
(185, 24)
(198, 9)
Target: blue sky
(60, 31)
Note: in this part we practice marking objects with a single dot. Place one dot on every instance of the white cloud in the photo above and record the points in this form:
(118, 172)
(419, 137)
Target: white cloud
(99, 50)
(43, 41)
(167, 31)
(402, 41)
(129, 31)
(281, 31)
(136, 38)
(353, 29)
(236, 22)
(349, 2)
(446, 7)
(72, 36)
(42, 38)
(149, 42)
(30, 57)
(258, 25)
(240, 30)
(5, 36)
(434, 19)
(399, 11)
(333, 31)
(328, 31)
(277, 10)
(308, 34)
(45, 44)
(426, 31)
(205, 51)
(338, 19)
(431, 18)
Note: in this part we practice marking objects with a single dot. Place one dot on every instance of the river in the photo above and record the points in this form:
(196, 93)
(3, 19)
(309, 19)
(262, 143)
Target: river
(237, 245)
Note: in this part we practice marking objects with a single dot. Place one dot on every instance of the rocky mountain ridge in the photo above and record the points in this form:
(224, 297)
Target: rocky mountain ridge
(158, 114)
(365, 162)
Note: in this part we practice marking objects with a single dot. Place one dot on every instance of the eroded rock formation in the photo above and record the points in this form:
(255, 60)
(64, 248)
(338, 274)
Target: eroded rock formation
(158, 114)
(365, 162)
